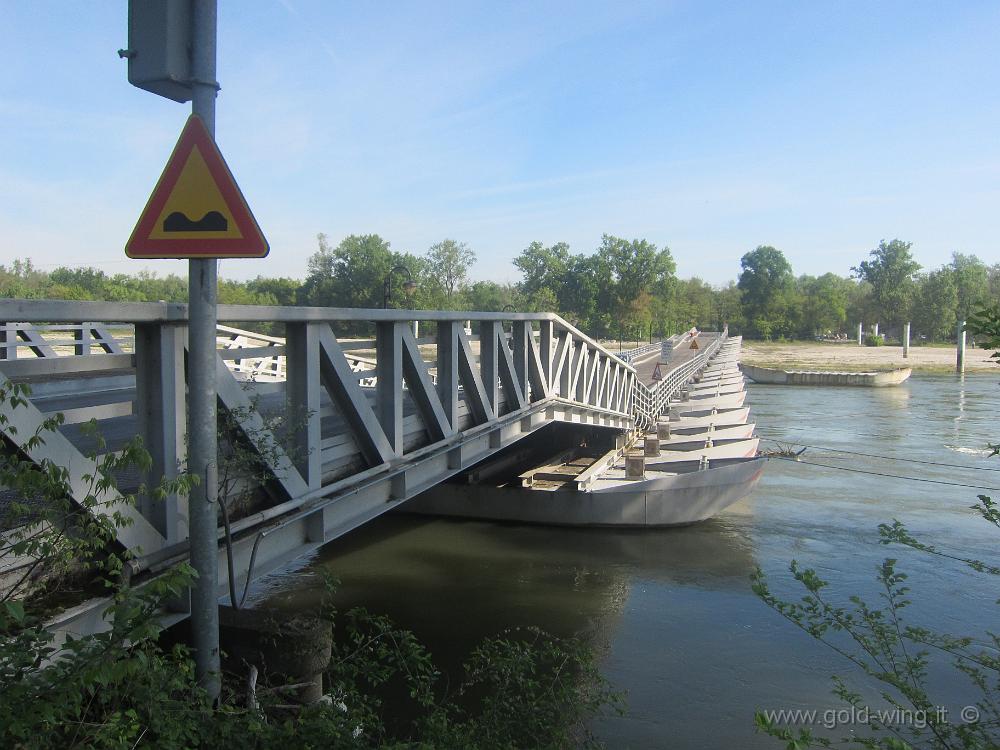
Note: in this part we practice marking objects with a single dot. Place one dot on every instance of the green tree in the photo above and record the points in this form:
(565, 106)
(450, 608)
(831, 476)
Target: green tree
(972, 283)
(449, 263)
(861, 307)
(766, 281)
(693, 305)
(586, 292)
(489, 296)
(351, 274)
(937, 301)
(634, 268)
(994, 281)
(543, 267)
(729, 308)
(555, 281)
(891, 273)
(284, 290)
(824, 303)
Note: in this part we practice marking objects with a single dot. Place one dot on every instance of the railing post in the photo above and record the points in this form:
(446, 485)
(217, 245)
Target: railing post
(581, 379)
(389, 386)
(161, 410)
(490, 334)
(302, 391)
(566, 376)
(81, 337)
(520, 336)
(545, 343)
(447, 369)
(5, 341)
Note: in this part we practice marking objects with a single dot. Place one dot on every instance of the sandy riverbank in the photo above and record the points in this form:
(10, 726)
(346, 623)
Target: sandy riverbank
(818, 356)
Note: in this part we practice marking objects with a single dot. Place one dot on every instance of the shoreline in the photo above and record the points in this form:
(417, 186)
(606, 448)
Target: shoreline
(854, 358)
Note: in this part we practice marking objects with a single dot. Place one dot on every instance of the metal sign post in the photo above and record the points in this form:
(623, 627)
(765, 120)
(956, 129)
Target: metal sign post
(202, 386)
(196, 211)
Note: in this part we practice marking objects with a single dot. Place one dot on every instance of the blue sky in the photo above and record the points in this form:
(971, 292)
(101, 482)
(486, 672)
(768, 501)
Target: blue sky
(819, 128)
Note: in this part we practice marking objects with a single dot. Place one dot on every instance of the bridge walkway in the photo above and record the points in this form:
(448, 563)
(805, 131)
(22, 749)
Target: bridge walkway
(679, 354)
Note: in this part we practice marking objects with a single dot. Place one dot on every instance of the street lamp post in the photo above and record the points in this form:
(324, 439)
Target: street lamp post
(408, 286)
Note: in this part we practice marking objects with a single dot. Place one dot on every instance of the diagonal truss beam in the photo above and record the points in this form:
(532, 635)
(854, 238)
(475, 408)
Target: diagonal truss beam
(563, 364)
(342, 384)
(528, 362)
(26, 420)
(456, 366)
(422, 390)
(250, 422)
(399, 359)
(497, 367)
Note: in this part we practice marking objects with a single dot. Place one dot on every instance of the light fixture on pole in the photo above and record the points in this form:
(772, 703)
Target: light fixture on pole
(409, 286)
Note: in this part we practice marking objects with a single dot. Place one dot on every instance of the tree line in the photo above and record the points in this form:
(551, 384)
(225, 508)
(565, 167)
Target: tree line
(623, 288)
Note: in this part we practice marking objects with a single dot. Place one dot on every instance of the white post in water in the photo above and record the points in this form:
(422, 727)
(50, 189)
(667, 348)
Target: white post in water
(960, 361)
(906, 340)
(861, 334)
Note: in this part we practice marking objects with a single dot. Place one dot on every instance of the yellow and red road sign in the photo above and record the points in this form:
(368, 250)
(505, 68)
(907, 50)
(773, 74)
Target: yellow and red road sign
(196, 209)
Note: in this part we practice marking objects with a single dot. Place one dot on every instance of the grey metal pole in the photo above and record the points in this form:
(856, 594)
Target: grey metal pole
(861, 332)
(960, 360)
(202, 386)
(906, 340)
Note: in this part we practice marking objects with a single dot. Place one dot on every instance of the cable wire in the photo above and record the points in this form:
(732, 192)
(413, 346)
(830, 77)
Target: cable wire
(887, 458)
(876, 435)
(891, 476)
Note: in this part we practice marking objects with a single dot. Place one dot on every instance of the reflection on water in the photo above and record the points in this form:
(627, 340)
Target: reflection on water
(671, 609)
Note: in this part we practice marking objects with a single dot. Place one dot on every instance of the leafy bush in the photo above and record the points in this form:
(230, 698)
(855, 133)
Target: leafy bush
(874, 340)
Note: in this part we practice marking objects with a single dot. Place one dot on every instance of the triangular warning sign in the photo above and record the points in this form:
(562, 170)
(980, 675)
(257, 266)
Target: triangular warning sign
(694, 344)
(657, 375)
(196, 209)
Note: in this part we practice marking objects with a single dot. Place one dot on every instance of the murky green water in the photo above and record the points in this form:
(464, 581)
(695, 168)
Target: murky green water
(671, 610)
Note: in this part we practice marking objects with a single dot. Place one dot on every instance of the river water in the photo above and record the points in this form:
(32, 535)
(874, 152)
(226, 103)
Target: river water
(671, 611)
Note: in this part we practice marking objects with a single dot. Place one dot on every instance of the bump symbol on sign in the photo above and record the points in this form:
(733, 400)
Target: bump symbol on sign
(213, 221)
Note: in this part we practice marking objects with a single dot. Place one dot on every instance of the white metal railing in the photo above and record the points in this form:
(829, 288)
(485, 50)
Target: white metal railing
(631, 355)
(262, 358)
(46, 340)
